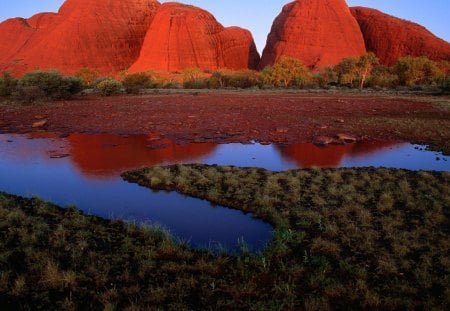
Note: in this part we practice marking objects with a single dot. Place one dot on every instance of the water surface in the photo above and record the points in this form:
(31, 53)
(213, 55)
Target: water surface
(84, 170)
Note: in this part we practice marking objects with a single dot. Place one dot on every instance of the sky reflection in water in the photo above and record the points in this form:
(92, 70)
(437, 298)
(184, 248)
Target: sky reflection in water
(89, 177)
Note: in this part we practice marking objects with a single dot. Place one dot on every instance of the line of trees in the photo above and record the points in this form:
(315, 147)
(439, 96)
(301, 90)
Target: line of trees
(352, 72)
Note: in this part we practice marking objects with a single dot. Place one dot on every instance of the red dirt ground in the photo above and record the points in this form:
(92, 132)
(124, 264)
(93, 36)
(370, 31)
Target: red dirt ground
(223, 116)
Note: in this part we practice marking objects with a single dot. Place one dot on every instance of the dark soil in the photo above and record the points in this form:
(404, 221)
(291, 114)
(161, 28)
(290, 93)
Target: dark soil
(241, 116)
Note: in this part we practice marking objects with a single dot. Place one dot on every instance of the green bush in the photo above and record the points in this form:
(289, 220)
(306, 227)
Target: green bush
(238, 79)
(109, 86)
(417, 71)
(135, 82)
(382, 76)
(28, 94)
(286, 72)
(326, 77)
(8, 84)
(195, 84)
(242, 79)
(52, 83)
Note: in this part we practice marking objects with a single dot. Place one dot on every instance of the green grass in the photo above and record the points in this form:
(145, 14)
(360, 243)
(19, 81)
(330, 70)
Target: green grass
(345, 239)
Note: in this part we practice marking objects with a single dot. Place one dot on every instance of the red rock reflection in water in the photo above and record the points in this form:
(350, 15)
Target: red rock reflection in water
(309, 155)
(109, 155)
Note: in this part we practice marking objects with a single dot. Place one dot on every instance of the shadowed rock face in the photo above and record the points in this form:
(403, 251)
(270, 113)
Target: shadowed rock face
(183, 36)
(102, 34)
(319, 33)
(390, 37)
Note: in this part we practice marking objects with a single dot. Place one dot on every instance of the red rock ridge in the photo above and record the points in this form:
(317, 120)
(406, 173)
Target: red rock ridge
(390, 37)
(319, 33)
(102, 34)
(14, 34)
(183, 36)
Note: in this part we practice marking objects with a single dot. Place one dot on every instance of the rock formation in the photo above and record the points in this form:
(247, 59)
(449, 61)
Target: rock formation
(102, 34)
(319, 33)
(390, 37)
(14, 33)
(183, 36)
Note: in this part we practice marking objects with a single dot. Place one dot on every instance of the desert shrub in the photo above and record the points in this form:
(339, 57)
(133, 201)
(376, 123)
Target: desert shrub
(8, 84)
(195, 84)
(217, 80)
(109, 86)
(243, 79)
(28, 94)
(237, 79)
(135, 82)
(326, 76)
(87, 76)
(52, 83)
(171, 84)
(190, 74)
(382, 76)
(193, 78)
(417, 71)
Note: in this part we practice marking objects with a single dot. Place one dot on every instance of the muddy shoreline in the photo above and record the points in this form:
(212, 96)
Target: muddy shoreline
(244, 116)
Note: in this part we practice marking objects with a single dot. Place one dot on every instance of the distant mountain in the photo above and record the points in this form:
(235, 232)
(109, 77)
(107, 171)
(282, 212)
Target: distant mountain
(183, 36)
(138, 35)
(102, 34)
(390, 37)
(319, 33)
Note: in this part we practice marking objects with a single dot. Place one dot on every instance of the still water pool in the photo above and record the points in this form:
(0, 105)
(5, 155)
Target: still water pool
(84, 170)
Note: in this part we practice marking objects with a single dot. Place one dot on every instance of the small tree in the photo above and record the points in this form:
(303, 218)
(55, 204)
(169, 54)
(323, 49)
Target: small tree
(364, 67)
(347, 71)
(417, 70)
(265, 76)
(289, 71)
(87, 76)
(383, 76)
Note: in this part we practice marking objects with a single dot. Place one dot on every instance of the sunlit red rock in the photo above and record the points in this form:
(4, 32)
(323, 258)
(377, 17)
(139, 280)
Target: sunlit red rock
(310, 155)
(183, 36)
(319, 33)
(109, 155)
(102, 34)
(390, 37)
(14, 33)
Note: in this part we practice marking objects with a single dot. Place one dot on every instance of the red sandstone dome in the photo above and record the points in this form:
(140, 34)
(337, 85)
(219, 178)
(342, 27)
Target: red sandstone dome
(390, 37)
(102, 34)
(319, 33)
(183, 36)
(14, 33)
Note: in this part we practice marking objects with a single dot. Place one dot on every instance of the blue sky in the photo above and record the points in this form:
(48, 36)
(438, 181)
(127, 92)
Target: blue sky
(257, 16)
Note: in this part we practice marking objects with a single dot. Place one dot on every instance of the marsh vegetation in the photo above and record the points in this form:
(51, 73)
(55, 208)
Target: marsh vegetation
(345, 238)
